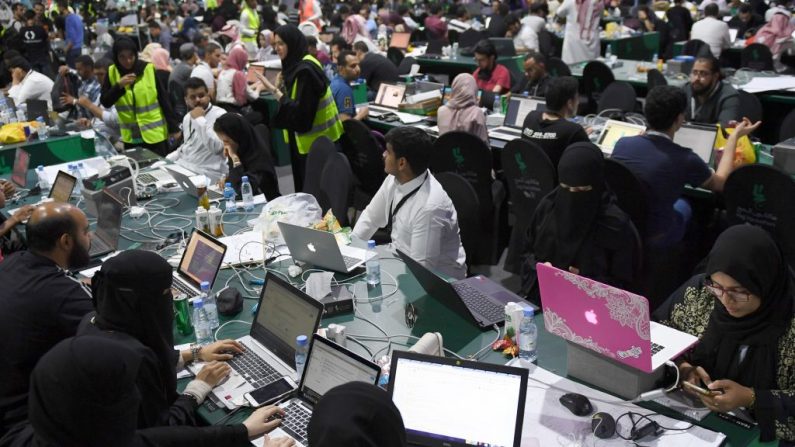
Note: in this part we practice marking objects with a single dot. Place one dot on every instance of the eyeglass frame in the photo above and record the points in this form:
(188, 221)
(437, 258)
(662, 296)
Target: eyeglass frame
(719, 291)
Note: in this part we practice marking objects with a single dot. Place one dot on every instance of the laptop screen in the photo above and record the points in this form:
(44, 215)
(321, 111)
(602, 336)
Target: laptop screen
(251, 76)
(400, 40)
(62, 187)
(614, 131)
(518, 108)
(733, 34)
(700, 139)
(202, 258)
(330, 365)
(21, 165)
(390, 95)
(109, 212)
(427, 391)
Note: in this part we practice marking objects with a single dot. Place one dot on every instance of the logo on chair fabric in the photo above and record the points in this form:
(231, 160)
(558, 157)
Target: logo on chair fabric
(520, 162)
(758, 195)
(459, 158)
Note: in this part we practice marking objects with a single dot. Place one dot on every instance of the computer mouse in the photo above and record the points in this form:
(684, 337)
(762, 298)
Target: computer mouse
(578, 404)
(603, 425)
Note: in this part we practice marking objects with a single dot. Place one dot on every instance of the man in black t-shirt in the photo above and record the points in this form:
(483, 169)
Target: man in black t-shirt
(550, 130)
(375, 68)
(35, 45)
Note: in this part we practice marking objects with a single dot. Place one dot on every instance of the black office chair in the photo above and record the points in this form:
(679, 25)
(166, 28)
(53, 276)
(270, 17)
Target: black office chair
(546, 44)
(365, 155)
(556, 67)
(453, 36)
(319, 153)
(596, 76)
(630, 192)
(404, 67)
(750, 106)
(395, 55)
(467, 208)
(619, 96)
(530, 176)
(787, 129)
(654, 78)
(696, 48)
(762, 195)
(336, 182)
(757, 57)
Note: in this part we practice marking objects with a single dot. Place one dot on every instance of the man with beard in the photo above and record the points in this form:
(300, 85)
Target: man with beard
(709, 100)
(41, 302)
(490, 76)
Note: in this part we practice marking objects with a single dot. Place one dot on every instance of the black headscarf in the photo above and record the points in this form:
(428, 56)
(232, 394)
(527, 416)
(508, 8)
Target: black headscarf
(125, 43)
(574, 214)
(83, 394)
(749, 255)
(356, 414)
(132, 295)
(296, 50)
(254, 154)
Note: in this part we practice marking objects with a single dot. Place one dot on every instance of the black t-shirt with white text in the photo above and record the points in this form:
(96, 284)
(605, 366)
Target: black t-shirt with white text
(34, 42)
(553, 136)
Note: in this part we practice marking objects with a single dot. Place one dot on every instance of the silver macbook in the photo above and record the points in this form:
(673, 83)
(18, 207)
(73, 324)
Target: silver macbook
(188, 186)
(388, 98)
(106, 237)
(698, 137)
(200, 262)
(613, 131)
(515, 113)
(321, 248)
(283, 313)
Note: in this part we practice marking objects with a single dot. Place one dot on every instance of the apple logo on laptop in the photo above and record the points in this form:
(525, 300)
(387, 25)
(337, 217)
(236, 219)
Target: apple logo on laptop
(590, 316)
(311, 247)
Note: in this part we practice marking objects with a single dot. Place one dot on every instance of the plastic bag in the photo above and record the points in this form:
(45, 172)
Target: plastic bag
(744, 154)
(297, 209)
(13, 132)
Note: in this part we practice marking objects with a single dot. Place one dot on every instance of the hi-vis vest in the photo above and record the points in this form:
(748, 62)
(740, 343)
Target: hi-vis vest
(326, 122)
(253, 24)
(211, 4)
(140, 116)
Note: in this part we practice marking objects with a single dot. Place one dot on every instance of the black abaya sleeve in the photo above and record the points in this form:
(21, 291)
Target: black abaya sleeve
(213, 436)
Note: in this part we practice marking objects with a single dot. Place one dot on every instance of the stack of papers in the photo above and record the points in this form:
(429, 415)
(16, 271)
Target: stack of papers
(767, 84)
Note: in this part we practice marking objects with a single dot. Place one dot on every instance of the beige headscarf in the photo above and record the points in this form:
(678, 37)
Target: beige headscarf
(463, 106)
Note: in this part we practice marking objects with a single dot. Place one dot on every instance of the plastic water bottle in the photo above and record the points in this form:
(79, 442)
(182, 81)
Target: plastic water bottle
(74, 172)
(609, 52)
(301, 350)
(21, 118)
(528, 337)
(208, 298)
(497, 108)
(42, 129)
(81, 168)
(229, 197)
(44, 184)
(248, 194)
(373, 265)
(201, 323)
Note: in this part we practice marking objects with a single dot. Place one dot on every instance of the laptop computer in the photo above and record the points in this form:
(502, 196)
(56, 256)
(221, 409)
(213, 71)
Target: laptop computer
(200, 262)
(321, 248)
(400, 40)
(105, 239)
(62, 187)
(144, 157)
(428, 392)
(251, 74)
(188, 186)
(156, 178)
(610, 321)
(283, 313)
(434, 49)
(515, 113)
(388, 98)
(504, 46)
(698, 137)
(119, 181)
(38, 108)
(328, 365)
(477, 297)
(613, 131)
(19, 174)
(733, 34)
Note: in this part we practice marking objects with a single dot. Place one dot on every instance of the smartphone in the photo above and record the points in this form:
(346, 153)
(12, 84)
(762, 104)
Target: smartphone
(700, 390)
(271, 393)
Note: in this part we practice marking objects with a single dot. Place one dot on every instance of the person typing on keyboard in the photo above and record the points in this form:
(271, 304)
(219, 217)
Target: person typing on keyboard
(417, 213)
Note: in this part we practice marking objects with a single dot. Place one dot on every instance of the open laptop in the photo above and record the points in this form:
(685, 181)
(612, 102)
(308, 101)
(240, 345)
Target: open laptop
(428, 391)
(613, 322)
(200, 262)
(188, 186)
(251, 74)
(400, 40)
(733, 34)
(388, 98)
(434, 49)
(613, 131)
(19, 174)
(144, 157)
(327, 366)
(105, 239)
(479, 297)
(698, 137)
(156, 178)
(62, 187)
(38, 108)
(504, 46)
(515, 113)
(283, 313)
(321, 248)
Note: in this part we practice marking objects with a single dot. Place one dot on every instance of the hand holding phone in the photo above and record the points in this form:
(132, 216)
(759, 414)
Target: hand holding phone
(702, 391)
(271, 393)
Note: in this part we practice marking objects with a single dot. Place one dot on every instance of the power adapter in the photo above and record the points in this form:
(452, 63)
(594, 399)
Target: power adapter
(137, 211)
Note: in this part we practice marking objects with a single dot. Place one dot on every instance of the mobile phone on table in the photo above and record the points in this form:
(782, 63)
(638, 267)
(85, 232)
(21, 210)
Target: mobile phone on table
(700, 390)
(271, 393)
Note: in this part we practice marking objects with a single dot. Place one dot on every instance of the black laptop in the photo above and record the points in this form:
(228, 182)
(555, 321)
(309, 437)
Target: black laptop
(106, 237)
(504, 46)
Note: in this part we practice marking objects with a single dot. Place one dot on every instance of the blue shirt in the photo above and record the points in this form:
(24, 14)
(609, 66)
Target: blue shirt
(74, 31)
(343, 96)
(664, 167)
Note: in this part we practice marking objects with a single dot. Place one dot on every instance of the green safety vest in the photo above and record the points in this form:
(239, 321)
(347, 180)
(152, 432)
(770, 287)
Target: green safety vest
(253, 23)
(326, 122)
(140, 116)
(211, 4)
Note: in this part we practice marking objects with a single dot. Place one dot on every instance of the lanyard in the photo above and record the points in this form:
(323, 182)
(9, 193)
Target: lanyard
(400, 204)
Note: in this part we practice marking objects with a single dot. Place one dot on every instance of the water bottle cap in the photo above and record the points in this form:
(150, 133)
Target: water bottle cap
(198, 303)
(301, 340)
(228, 185)
(205, 285)
(40, 119)
(528, 312)
(80, 164)
(39, 168)
(371, 244)
(245, 178)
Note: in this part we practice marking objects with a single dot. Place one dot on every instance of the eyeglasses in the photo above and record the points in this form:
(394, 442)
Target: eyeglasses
(738, 296)
(411, 315)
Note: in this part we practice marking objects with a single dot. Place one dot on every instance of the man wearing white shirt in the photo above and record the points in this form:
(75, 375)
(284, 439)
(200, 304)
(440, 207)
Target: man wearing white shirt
(201, 150)
(524, 38)
(413, 206)
(204, 69)
(712, 31)
(27, 83)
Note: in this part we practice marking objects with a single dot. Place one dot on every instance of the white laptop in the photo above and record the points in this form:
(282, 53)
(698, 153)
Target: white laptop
(515, 113)
(733, 34)
(283, 313)
(321, 248)
(388, 98)
(698, 137)
(327, 366)
(157, 178)
(613, 131)
(200, 262)
(187, 183)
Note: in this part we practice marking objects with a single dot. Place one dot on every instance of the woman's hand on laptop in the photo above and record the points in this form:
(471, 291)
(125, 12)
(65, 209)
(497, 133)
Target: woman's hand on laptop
(265, 420)
(213, 373)
(220, 351)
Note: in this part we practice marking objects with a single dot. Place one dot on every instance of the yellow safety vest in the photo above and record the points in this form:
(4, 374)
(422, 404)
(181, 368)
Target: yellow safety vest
(253, 23)
(211, 4)
(326, 123)
(140, 116)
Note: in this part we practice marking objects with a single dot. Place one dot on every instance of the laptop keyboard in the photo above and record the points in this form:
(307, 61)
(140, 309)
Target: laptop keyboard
(350, 261)
(182, 287)
(147, 178)
(476, 301)
(254, 369)
(295, 422)
(655, 348)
